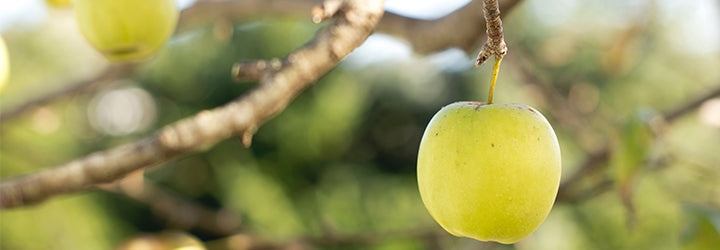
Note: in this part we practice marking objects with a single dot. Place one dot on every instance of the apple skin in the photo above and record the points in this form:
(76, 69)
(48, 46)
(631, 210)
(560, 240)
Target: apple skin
(59, 3)
(161, 241)
(126, 30)
(489, 172)
(4, 64)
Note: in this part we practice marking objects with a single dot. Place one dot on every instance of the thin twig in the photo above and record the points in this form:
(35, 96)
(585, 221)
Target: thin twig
(112, 72)
(599, 188)
(599, 159)
(678, 112)
(593, 163)
(304, 66)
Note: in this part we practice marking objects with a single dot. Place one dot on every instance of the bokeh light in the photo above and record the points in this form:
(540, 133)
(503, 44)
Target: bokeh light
(122, 111)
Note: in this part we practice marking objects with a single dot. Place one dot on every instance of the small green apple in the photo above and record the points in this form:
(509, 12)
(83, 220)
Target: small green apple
(489, 171)
(126, 30)
(4, 64)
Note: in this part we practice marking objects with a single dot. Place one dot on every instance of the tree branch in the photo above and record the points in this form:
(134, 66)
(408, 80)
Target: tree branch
(204, 10)
(181, 214)
(596, 161)
(354, 23)
(692, 105)
(464, 28)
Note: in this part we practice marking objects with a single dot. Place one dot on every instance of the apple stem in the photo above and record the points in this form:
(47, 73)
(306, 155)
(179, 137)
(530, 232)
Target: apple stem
(496, 69)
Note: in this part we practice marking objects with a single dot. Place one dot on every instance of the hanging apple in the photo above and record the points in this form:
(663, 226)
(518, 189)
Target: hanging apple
(126, 30)
(489, 171)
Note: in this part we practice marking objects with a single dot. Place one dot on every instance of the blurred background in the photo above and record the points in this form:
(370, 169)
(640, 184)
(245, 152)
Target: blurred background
(630, 87)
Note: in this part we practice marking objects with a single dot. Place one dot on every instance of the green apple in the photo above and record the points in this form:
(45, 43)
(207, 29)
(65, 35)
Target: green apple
(4, 64)
(126, 30)
(489, 171)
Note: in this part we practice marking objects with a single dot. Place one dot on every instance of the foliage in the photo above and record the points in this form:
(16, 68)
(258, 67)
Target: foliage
(341, 158)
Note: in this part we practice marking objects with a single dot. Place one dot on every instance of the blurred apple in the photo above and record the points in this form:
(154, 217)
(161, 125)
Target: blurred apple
(4, 64)
(162, 241)
(489, 172)
(59, 3)
(126, 30)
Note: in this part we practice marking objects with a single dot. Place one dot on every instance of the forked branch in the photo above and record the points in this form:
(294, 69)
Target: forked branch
(354, 22)
(462, 28)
